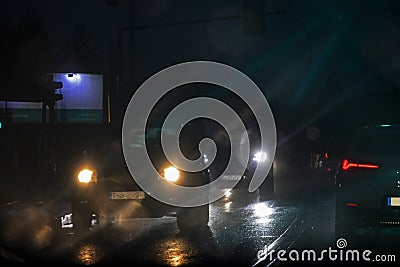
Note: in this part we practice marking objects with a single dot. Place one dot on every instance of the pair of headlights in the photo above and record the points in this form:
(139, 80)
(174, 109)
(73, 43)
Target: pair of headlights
(171, 174)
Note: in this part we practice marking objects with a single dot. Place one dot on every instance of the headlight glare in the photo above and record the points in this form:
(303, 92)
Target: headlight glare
(260, 156)
(171, 174)
(86, 176)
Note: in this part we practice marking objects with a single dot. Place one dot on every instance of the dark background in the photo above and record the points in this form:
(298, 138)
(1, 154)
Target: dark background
(330, 65)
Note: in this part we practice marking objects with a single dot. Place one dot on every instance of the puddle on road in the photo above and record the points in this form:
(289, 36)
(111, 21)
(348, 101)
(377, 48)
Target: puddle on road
(88, 254)
(175, 252)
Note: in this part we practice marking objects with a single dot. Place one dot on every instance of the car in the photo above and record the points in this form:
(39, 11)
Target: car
(367, 182)
(103, 192)
(242, 172)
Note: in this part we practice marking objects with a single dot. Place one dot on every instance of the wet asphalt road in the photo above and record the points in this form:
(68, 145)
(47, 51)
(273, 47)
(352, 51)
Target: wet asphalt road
(236, 236)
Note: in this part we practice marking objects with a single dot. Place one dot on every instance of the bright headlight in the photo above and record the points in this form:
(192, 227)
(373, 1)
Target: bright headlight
(260, 156)
(171, 174)
(85, 176)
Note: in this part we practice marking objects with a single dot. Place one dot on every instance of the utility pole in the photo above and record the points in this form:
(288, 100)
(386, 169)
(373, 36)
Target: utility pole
(48, 154)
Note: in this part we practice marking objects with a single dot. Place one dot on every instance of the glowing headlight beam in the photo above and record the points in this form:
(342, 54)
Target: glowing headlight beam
(260, 156)
(171, 174)
(85, 176)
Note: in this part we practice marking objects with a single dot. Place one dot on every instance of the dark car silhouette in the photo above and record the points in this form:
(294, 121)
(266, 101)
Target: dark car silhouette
(368, 181)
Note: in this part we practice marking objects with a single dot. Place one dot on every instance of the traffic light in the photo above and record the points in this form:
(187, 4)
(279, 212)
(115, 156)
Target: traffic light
(51, 87)
(51, 84)
(56, 85)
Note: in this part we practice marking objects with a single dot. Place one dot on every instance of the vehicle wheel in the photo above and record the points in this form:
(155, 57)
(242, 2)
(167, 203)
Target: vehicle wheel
(81, 223)
(81, 218)
(192, 219)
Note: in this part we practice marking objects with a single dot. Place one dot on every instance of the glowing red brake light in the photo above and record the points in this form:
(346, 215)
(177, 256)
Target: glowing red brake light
(346, 164)
(351, 205)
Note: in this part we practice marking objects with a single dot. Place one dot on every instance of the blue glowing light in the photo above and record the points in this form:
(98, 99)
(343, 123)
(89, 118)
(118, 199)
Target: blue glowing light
(73, 77)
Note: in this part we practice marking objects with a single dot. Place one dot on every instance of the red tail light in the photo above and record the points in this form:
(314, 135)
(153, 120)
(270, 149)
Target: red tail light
(346, 165)
(351, 205)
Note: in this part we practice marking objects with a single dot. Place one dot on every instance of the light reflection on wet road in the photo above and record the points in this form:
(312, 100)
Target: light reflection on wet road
(235, 234)
(88, 254)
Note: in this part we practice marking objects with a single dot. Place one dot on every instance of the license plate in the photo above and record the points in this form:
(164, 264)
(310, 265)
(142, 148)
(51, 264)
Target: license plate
(127, 195)
(393, 201)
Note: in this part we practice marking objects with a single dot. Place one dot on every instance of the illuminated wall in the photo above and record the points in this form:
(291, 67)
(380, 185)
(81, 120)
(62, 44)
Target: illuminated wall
(82, 101)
